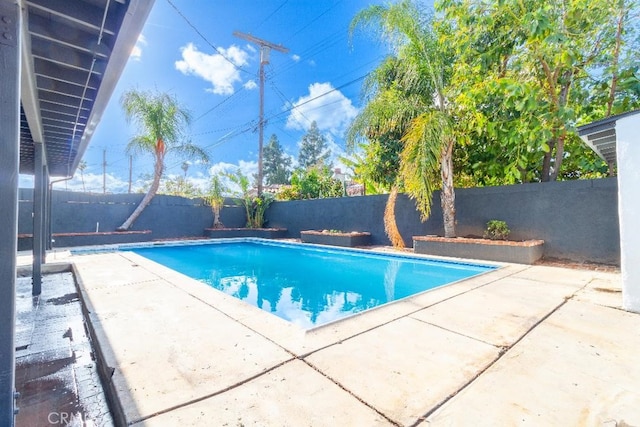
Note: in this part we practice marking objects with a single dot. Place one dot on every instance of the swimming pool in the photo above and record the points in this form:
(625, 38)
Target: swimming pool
(308, 285)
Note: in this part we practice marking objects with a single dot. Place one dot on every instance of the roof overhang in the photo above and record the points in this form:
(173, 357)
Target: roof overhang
(601, 136)
(73, 54)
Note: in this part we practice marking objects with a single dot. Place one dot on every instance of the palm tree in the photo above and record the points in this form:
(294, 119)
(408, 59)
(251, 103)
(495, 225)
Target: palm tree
(215, 199)
(183, 182)
(81, 167)
(414, 102)
(161, 120)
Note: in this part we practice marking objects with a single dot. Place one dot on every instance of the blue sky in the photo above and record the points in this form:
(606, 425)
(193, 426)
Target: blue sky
(188, 48)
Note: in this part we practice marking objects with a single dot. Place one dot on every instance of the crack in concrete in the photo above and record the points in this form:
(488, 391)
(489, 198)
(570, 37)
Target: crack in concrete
(309, 364)
(503, 352)
(215, 393)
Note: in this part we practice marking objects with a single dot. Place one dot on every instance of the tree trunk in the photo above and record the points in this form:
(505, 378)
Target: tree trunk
(546, 166)
(390, 225)
(157, 174)
(216, 219)
(448, 195)
(559, 156)
(614, 64)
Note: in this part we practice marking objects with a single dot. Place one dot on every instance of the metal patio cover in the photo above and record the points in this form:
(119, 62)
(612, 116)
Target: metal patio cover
(73, 54)
(601, 136)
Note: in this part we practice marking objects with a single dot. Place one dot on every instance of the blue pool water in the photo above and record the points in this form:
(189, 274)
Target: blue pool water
(304, 284)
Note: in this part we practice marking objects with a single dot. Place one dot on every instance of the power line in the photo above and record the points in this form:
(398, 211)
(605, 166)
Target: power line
(271, 14)
(219, 51)
(219, 103)
(322, 95)
(314, 20)
(312, 50)
(252, 124)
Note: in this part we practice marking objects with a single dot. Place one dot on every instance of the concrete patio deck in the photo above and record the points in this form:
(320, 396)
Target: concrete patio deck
(532, 345)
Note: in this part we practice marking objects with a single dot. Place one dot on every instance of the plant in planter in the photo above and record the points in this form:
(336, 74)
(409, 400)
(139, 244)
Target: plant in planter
(493, 247)
(255, 213)
(214, 198)
(496, 230)
(254, 207)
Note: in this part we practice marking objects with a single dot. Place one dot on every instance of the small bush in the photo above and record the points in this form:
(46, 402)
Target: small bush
(496, 230)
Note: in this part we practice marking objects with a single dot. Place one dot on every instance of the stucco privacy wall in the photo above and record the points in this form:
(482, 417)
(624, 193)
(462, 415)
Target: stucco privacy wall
(578, 220)
(628, 155)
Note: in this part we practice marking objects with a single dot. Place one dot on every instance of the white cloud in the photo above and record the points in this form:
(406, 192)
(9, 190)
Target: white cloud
(296, 58)
(215, 69)
(93, 183)
(136, 52)
(330, 109)
(251, 84)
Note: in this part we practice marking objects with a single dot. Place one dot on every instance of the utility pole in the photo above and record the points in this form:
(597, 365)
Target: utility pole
(265, 49)
(130, 171)
(104, 171)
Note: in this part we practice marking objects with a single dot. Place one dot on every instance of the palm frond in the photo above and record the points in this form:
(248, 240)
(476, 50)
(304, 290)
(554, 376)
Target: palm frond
(189, 151)
(421, 158)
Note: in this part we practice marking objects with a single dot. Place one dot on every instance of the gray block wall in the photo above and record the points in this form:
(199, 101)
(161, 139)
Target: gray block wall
(167, 216)
(578, 220)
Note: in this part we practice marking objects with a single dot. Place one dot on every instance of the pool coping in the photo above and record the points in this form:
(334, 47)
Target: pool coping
(186, 282)
(180, 279)
(315, 350)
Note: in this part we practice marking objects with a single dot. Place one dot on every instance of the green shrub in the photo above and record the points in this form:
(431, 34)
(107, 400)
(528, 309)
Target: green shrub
(496, 230)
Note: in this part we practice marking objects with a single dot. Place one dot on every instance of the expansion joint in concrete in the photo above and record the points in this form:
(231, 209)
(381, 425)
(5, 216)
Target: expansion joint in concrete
(504, 350)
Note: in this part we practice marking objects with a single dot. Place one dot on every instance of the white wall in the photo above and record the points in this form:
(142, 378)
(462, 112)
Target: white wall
(628, 158)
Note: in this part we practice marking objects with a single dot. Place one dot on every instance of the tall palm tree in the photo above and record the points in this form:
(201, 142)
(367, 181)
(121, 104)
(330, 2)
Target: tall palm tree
(414, 102)
(161, 121)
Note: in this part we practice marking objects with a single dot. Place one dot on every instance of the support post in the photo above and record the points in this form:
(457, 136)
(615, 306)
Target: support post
(39, 195)
(628, 155)
(264, 52)
(265, 49)
(10, 148)
(48, 224)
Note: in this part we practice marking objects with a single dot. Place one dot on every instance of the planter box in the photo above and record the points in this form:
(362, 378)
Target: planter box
(336, 239)
(526, 252)
(66, 240)
(264, 233)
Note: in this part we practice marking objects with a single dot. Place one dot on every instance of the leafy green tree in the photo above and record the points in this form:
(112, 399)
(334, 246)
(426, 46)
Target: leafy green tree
(276, 164)
(161, 121)
(316, 182)
(415, 104)
(381, 149)
(313, 148)
(529, 71)
(179, 186)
